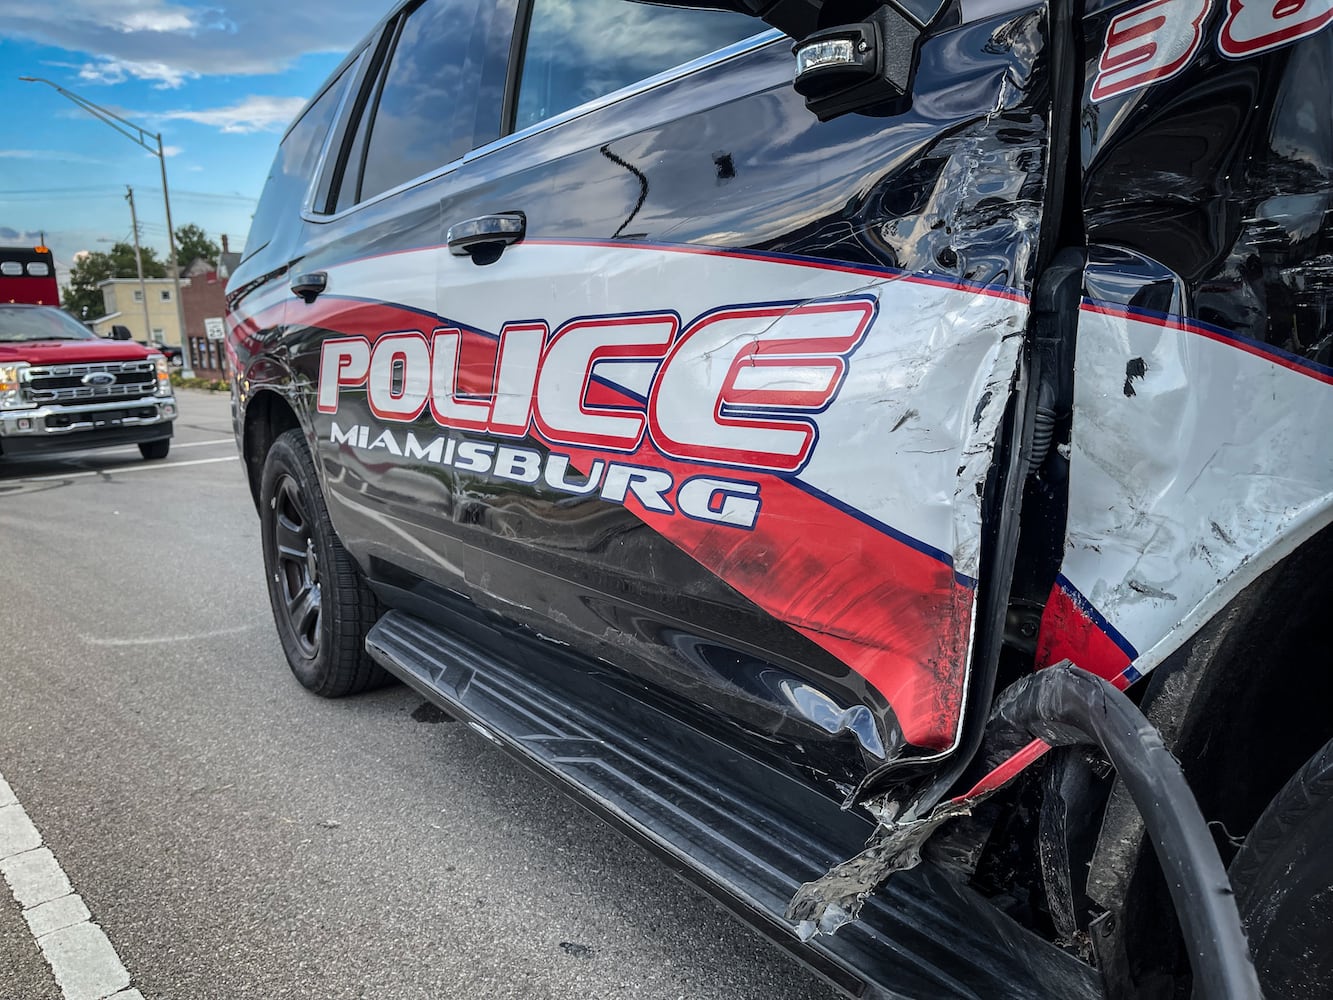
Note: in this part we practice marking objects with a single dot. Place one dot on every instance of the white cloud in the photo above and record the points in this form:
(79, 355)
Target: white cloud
(124, 16)
(168, 42)
(253, 114)
(172, 150)
(106, 70)
(150, 17)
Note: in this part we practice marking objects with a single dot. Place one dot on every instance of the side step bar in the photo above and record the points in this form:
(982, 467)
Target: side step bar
(731, 825)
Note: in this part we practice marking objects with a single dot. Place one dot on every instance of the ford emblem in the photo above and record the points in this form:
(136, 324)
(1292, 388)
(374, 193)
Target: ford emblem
(99, 379)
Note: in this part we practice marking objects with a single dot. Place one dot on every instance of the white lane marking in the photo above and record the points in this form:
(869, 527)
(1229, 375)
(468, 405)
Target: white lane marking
(83, 961)
(155, 640)
(200, 444)
(34, 875)
(85, 964)
(148, 467)
(56, 915)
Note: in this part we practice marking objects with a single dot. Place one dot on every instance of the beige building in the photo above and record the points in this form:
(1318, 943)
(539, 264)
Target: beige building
(123, 301)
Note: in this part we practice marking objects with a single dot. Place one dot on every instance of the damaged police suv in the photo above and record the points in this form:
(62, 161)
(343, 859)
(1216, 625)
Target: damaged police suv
(875, 454)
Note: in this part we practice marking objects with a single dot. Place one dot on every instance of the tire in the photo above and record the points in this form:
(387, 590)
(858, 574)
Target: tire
(1283, 877)
(155, 451)
(322, 606)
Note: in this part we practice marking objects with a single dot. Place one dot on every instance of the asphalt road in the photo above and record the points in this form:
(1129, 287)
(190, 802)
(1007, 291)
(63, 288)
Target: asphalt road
(236, 837)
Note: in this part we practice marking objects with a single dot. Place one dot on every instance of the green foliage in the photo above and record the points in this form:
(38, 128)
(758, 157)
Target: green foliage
(81, 297)
(209, 384)
(192, 244)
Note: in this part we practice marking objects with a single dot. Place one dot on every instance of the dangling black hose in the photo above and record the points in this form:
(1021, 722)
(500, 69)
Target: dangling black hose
(1066, 706)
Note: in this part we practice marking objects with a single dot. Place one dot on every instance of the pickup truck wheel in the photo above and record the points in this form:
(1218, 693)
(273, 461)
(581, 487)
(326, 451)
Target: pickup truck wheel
(1283, 877)
(155, 450)
(322, 605)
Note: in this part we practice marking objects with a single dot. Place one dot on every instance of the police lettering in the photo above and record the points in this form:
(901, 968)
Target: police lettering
(740, 386)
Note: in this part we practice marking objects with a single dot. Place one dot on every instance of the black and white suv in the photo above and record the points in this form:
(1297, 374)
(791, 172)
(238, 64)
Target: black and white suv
(826, 435)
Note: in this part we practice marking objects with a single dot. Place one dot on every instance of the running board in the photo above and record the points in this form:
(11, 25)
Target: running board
(731, 825)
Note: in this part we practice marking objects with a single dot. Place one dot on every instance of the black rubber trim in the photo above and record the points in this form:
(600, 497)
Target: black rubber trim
(112, 437)
(1067, 706)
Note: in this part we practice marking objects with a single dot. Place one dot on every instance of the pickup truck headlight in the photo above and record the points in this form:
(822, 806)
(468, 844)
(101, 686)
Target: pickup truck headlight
(11, 387)
(163, 375)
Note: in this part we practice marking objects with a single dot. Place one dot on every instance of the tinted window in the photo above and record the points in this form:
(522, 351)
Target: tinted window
(294, 168)
(579, 50)
(415, 125)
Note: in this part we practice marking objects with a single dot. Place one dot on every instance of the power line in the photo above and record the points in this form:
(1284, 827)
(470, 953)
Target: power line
(217, 195)
(60, 190)
(106, 191)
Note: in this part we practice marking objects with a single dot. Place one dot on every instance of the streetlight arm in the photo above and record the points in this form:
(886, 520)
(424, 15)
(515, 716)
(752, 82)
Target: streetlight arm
(131, 131)
(140, 135)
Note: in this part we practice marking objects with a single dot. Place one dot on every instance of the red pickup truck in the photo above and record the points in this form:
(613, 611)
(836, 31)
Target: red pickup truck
(61, 386)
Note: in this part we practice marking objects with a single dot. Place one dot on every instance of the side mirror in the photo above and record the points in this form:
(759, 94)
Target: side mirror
(119, 332)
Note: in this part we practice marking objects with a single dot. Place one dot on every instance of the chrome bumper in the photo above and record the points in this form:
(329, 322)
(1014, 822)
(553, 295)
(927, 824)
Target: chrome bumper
(87, 416)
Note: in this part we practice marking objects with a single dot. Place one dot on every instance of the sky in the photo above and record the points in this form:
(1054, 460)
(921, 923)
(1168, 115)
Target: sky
(220, 79)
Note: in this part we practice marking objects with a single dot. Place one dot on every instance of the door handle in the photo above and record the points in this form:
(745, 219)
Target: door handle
(485, 237)
(310, 285)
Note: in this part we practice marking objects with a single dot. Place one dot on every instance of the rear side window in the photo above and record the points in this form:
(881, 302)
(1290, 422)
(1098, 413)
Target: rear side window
(414, 127)
(294, 167)
(579, 50)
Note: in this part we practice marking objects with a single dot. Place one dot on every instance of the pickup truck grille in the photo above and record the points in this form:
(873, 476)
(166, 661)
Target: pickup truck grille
(71, 383)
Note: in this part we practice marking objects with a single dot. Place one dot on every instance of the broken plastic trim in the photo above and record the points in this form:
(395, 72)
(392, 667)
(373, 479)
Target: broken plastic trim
(1065, 706)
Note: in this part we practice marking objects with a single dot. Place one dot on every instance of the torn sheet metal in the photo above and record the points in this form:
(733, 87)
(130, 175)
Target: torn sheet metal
(1204, 371)
(1185, 489)
(836, 898)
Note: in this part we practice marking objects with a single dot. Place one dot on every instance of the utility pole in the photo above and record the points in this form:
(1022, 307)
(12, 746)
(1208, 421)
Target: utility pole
(138, 264)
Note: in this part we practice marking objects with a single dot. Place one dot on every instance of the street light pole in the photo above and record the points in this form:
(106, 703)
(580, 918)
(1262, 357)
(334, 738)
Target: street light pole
(187, 369)
(140, 135)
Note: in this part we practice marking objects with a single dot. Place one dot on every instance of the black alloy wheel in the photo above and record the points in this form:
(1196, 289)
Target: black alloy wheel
(298, 565)
(322, 605)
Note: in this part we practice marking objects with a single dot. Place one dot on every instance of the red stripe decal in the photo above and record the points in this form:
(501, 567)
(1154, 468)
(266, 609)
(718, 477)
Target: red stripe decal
(894, 615)
(1068, 632)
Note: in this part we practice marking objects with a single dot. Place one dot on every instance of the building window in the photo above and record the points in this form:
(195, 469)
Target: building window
(138, 295)
(157, 333)
(166, 295)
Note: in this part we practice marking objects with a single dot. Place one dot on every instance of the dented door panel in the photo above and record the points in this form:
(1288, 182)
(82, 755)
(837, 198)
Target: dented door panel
(762, 494)
(1205, 339)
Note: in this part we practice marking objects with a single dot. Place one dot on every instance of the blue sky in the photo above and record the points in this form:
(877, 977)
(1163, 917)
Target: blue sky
(219, 79)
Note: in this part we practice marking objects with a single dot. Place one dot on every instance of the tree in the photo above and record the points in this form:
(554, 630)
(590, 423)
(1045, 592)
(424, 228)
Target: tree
(192, 244)
(83, 299)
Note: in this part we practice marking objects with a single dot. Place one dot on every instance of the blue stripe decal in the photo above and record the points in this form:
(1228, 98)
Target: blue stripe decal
(1279, 356)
